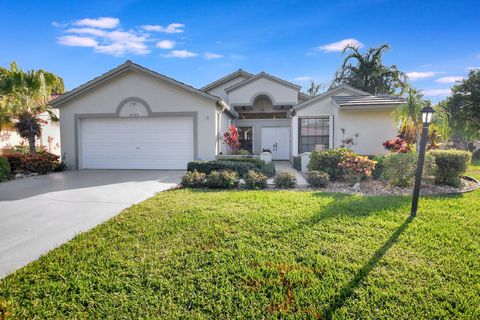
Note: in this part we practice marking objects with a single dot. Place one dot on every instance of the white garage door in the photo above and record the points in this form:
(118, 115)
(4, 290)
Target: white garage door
(137, 143)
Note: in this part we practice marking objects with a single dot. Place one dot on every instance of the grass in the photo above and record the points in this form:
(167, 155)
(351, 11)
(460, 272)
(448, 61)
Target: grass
(279, 254)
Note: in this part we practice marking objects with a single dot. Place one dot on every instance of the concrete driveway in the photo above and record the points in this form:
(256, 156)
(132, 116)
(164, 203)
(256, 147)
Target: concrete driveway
(39, 213)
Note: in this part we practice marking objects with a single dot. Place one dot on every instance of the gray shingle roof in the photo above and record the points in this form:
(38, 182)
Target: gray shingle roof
(363, 100)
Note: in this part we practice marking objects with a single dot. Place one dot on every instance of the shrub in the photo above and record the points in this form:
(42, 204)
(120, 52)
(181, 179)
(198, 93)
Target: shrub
(327, 161)
(356, 167)
(194, 179)
(240, 152)
(259, 163)
(398, 145)
(297, 163)
(269, 170)
(378, 170)
(255, 180)
(40, 163)
(399, 168)
(450, 165)
(285, 180)
(208, 166)
(318, 179)
(224, 179)
(476, 154)
(4, 169)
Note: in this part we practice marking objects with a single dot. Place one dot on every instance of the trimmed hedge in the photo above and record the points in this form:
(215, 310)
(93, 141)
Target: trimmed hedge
(194, 179)
(328, 161)
(259, 163)
(378, 170)
(269, 170)
(255, 180)
(40, 163)
(4, 169)
(450, 165)
(240, 167)
(297, 163)
(399, 168)
(285, 180)
(224, 179)
(318, 179)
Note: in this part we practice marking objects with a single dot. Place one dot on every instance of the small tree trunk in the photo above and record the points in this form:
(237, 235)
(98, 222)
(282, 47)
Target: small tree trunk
(31, 144)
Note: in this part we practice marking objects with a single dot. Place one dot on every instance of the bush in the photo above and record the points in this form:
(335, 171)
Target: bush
(318, 179)
(476, 154)
(206, 167)
(194, 179)
(259, 163)
(285, 180)
(398, 145)
(327, 161)
(399, 168)
(450, 166)
(378, 170)
(240, 152)
(40, 163)
(4, 169)
(224, 179)
(356, 168)
(297, 163)
(269, 170)
(255, 180)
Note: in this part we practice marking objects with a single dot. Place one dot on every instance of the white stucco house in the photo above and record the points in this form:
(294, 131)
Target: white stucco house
(134, 118)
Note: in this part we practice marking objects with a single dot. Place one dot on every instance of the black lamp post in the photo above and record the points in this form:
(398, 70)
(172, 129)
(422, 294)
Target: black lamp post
(427, 115)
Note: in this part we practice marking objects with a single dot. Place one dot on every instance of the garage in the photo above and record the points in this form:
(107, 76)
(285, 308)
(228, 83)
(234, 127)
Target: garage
(137, 143)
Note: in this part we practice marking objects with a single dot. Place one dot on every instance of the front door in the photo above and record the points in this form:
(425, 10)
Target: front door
(277, 140)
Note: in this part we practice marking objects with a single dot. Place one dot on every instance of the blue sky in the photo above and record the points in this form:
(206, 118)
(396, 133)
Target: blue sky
(436, 42)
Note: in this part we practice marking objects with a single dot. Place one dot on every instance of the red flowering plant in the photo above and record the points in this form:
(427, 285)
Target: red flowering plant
(397, 145)
(230, 137)
(356, 167)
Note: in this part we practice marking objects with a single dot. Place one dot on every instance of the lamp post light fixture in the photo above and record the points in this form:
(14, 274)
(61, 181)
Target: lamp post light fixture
(427, 115)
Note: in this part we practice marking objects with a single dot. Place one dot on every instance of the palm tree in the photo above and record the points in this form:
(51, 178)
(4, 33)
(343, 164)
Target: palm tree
(25, 95)
(368, 73)
(313, 90)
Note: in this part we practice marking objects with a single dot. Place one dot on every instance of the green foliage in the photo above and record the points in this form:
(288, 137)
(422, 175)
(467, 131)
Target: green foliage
(240, 152)
(450, 165)
(224, 179)
(269, 170)
(399, 168)
(240, 167)
(476, 154)
(318, 179)
(40, 163)
(297, 163)
(368, 73)
(4, 169)
(194, 179)
(378, 170)
(285, 180)
(356, 167)
(328, 161)
(255, 180)
(259, 163)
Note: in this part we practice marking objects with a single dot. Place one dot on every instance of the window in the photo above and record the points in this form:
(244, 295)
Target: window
(313, 134)
(245, 138)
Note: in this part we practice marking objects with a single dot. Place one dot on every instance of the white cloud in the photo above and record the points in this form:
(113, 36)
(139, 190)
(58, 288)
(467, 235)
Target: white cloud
(452, 79)
(235, 56)
(210, 55)
(180, 54)
(171, 28)
(415, 75)
(165, 44)
(90, 31)
(472, 68)
(436, 92)
(340, 45)
(103, 23)
(76, 41)
(303, 78)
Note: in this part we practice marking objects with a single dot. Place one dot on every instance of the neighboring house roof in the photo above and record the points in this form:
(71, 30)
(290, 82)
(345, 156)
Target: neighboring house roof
(262, 75)
(304, 96)
(330, 93)
(227, 78)
(129, 65)
(373, 102)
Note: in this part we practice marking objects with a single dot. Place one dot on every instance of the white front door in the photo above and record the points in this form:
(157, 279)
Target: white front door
(137, 143)
(277, 140)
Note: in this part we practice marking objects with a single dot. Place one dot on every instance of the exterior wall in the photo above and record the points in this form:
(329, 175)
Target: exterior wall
(160, 96)
(225, 123)
(257, 125)
(220, 90)
(280, 93)
(373, 127)
(50, 138)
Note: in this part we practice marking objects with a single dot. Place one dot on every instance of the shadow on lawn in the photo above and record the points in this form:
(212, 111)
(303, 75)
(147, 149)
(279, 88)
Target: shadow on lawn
(347, 291)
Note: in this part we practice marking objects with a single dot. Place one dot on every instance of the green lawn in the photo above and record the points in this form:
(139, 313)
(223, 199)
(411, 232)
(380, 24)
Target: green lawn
(275, 254)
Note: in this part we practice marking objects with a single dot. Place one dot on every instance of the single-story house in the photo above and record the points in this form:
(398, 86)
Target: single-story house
(134, 118)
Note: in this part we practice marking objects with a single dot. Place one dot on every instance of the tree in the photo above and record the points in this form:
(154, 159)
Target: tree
(313, 90)
(368, 73)
(464, 107)
(23, 96)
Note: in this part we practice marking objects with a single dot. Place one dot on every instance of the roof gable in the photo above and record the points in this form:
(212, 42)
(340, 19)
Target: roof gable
(259, 76)
(329, 93)
(127, 66)
(228, 77)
